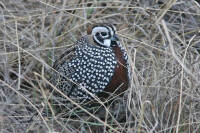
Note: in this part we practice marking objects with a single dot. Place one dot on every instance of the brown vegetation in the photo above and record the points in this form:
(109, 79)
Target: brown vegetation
(162, 38)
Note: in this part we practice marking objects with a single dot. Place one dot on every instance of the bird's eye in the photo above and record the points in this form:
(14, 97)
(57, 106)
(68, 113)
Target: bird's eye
(103, 33)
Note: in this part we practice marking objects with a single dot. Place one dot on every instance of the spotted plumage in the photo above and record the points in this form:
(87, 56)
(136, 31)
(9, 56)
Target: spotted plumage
(97, 63)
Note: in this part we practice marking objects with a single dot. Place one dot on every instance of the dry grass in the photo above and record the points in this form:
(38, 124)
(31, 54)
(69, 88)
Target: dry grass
(162, 38)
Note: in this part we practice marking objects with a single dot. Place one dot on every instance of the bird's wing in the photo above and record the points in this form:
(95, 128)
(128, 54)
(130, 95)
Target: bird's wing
(61, 77)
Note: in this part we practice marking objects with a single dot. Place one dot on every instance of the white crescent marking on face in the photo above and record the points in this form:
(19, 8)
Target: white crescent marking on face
(95, 30)
(99, 29)
(95, 38)
(107, 42)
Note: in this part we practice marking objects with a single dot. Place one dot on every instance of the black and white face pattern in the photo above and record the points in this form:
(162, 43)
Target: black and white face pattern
(104, 35)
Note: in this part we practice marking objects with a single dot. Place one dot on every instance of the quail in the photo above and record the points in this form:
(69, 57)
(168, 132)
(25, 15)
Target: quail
(97, 63)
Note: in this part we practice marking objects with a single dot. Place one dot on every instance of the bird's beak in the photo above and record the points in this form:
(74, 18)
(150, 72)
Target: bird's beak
(115, 38)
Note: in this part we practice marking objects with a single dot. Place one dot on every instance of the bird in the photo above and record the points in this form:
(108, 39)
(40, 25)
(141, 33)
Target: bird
(96, 63)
